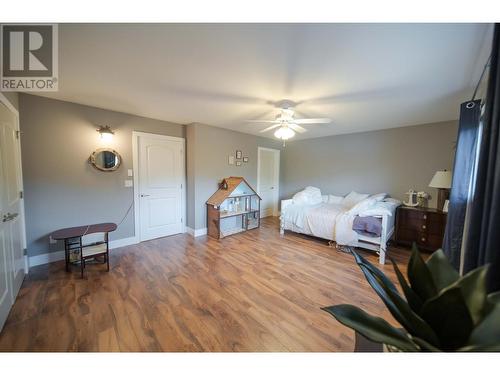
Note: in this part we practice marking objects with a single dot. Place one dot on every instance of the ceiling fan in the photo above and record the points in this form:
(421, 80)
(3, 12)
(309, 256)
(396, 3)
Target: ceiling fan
(287, 124)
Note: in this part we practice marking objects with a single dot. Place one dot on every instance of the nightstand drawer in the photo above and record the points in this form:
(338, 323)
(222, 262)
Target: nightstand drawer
(409, 236)
(436, 224)
(414, 214)
(420, 225)
(413, 220)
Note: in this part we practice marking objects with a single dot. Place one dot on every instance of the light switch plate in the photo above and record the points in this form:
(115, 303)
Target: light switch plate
(128, 183)
(130, 173)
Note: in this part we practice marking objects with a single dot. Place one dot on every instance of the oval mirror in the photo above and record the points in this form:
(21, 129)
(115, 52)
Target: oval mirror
(105, 159)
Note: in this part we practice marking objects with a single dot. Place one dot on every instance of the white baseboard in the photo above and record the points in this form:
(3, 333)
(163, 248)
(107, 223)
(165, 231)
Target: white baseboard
(196, 232)
(37, 260)
(123, 242)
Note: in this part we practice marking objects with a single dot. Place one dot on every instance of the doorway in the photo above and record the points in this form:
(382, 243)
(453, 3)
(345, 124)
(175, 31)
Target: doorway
(159, 185)
(12, 233)
(268, 180)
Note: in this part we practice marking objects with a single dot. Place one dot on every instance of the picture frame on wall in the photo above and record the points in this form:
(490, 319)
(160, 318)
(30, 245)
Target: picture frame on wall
(239, 154)
(238, 163)
(230, 160)
(245, 159)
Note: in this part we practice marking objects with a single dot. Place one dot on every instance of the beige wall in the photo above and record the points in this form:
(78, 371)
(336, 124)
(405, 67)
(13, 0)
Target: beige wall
(393, 161)
(207, 161)
(61, 188)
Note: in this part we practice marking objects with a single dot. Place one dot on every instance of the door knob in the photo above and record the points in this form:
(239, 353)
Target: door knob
(144, 195)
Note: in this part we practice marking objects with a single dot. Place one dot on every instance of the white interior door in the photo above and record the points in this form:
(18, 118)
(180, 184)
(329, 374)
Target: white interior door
(11, 213)
(268, 181)
(160, 186)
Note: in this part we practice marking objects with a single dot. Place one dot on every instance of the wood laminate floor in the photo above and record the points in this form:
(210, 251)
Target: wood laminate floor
(251, 292)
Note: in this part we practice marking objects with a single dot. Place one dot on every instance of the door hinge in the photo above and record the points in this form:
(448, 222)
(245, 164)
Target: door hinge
(21, 194)
(182, 220)
(18, 134)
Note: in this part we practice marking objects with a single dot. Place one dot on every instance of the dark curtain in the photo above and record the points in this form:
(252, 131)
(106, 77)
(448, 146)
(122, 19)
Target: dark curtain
(483, 237)
(463, 169)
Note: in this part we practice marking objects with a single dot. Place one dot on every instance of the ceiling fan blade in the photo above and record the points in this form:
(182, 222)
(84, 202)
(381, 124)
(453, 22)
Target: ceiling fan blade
(264, 121)
(313, 121)
(297, 128)
(270, 128)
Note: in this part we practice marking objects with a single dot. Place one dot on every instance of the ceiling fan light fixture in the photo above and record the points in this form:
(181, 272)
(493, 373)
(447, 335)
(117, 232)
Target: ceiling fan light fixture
(284, 133)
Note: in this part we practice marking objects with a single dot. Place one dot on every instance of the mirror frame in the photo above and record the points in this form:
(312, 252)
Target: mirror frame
(99, 150)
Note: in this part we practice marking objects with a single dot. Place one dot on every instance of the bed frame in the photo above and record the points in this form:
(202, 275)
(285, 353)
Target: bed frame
(378, 244)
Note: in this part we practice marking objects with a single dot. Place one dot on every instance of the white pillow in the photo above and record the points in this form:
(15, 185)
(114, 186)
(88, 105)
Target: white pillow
(392, 200)
(352, 198)
(335, 199)
(301, 198)
(381, 208)
(362, 206)
(309, 196)
(379, 197)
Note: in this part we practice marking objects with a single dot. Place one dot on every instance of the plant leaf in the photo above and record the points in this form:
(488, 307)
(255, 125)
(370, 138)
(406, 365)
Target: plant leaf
(449, 317)
(411, 297)
(400, 309)
(371, 327)
(420, 277)
(488, 331)
(473, 287)
(374, 270)
(441, 270)
(494, 297)
(424, 345)
(480, 348)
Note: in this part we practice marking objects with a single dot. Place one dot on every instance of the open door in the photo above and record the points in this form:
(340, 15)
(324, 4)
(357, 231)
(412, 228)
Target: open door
(12, 263)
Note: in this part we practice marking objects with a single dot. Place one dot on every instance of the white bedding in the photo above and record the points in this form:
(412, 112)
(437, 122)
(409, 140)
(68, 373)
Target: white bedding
(320, 220)
(331, 221)
(333, 218)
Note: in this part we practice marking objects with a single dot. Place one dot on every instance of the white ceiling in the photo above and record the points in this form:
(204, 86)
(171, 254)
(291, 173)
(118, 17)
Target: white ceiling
(362, 76)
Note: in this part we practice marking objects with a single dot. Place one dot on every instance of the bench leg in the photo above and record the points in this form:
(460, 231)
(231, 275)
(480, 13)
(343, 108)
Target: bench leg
(66, 254)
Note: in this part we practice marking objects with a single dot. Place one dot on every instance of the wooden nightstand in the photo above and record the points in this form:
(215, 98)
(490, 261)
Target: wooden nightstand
(422, 225)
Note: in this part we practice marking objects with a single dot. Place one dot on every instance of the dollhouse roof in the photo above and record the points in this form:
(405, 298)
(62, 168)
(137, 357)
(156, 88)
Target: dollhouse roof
(232, 184)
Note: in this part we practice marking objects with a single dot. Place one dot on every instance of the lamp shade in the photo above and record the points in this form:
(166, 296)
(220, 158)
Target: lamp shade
(441, 180)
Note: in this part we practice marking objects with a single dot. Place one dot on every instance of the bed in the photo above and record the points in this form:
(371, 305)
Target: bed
(366, 221)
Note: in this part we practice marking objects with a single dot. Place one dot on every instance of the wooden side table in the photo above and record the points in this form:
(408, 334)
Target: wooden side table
(422, 225)
(72, 238)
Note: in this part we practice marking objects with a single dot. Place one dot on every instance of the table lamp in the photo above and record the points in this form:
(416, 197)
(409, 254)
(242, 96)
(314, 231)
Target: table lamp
(442, 182)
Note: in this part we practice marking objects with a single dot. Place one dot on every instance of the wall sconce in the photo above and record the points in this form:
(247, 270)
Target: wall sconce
(106, 133)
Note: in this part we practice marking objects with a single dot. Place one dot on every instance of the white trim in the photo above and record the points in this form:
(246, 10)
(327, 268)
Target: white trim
(55, 256)
(135, 168)
(277, 176)
(123, 242)
(37, 260)
(196, 232)
(26, 264)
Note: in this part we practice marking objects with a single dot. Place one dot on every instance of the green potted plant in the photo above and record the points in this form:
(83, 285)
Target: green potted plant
(440, 311)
